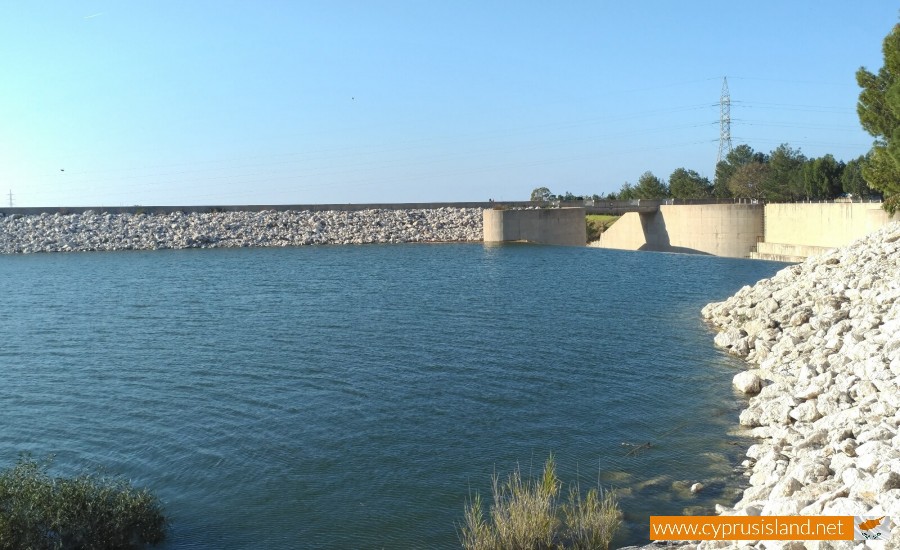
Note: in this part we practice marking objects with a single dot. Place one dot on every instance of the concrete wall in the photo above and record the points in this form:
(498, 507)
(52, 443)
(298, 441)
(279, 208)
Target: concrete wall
(779, 252)
(783, 232)
(730, 230)
(826, 225)
(627, 233)
(564, 226)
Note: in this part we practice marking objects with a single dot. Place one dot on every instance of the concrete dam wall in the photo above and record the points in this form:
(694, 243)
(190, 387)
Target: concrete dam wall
(783, 232)
(730, 230)
(565, 226)
(794, 232)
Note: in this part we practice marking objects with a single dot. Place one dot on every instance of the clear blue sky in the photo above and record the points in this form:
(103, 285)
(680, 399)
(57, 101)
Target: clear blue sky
(217, 102)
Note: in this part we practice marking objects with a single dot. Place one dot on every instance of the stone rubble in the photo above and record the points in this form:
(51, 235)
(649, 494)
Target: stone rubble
(823, 340)
(90, 231)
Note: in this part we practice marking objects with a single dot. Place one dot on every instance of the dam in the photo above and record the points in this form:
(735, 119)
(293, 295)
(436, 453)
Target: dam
(788, 232)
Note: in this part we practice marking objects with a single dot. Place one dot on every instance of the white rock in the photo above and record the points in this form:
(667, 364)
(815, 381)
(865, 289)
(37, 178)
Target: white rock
(845, 506)
(751, 417)
(778, 410)
(785, 488)
(728, 338)
(805, 412)
(870, 455)
(90, 231)
(778, 506)
(747, 382)
(852, 476)
(889, 501)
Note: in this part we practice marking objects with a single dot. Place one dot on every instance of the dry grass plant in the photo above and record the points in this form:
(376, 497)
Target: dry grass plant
(526, 515)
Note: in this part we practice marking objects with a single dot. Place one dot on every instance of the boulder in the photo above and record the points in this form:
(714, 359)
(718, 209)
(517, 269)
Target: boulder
(747, 382)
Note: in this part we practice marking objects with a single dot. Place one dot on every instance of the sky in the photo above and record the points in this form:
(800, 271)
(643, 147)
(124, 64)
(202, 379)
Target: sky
(114, 103)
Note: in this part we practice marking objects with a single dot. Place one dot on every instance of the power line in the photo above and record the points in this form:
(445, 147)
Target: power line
(796, 107)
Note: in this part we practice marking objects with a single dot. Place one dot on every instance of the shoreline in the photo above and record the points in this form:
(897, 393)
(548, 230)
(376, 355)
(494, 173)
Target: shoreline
(822, 343)
(90, 231)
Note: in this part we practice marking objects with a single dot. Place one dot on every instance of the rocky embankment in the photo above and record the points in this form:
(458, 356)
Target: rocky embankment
(823, 342)
(105, 231)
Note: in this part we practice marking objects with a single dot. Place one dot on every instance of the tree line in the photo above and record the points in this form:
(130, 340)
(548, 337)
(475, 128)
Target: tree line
(782, 175)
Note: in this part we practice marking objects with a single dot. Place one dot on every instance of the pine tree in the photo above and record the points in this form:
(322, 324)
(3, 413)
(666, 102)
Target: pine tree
(879, 114)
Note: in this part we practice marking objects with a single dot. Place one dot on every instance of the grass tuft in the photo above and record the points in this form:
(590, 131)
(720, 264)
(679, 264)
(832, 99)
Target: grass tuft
(593, 521)
(526, 515)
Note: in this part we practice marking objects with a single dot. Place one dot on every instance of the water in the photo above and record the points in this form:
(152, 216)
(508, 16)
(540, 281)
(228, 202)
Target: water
(355, 397)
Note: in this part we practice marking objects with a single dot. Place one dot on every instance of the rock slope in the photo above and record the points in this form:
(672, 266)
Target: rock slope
(823, 342)
(105, 231)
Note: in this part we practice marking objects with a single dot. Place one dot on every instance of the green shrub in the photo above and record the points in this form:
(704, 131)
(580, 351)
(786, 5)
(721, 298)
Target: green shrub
(526, 515)
(597, 224)
(85, 512)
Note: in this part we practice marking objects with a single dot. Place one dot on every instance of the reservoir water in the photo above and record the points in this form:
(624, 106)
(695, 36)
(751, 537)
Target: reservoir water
(356, 396)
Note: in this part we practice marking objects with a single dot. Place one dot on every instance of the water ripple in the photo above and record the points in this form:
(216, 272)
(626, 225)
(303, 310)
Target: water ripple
(336, 397)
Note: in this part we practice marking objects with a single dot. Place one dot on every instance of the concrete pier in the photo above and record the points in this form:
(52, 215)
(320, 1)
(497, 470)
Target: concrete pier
(565, 226)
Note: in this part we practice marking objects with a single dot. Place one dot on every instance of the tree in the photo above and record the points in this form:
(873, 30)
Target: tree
(882, 175)
(822, 177)
(541, 194)
(749, 181)
(720, 183)
(650, 187)
(786, 174)
(688, 184)
(626, 193)
(739, 156)
(879, 113)
(852, 180)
